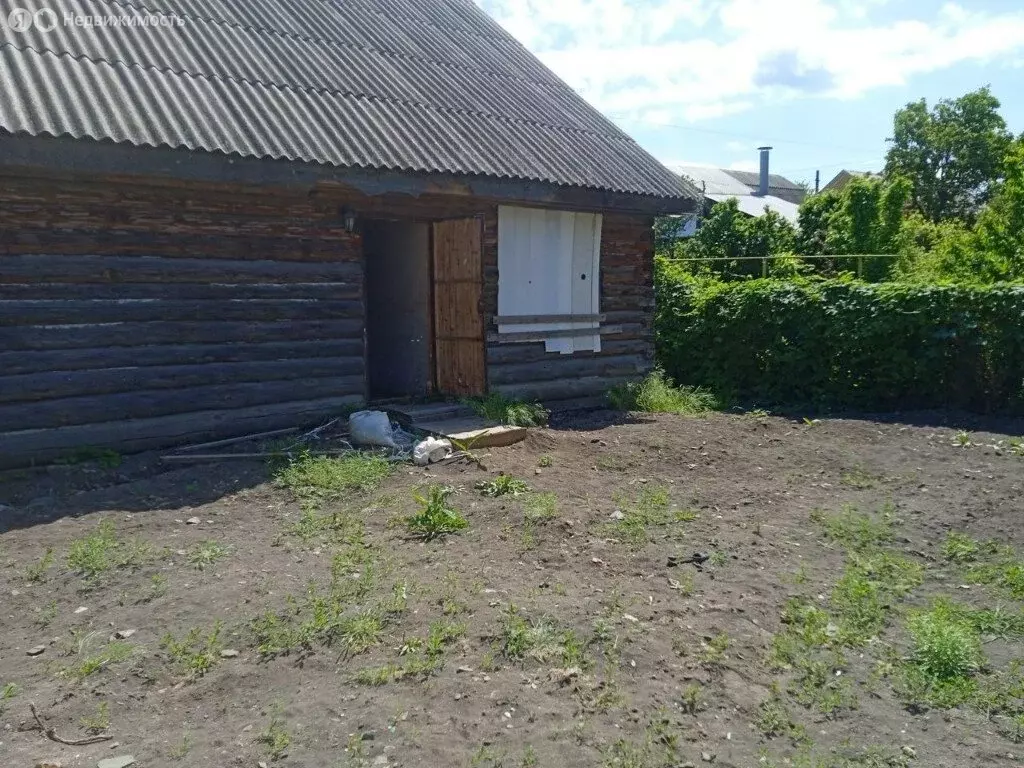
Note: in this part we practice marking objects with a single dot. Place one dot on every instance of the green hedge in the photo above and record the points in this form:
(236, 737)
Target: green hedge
(839, 343)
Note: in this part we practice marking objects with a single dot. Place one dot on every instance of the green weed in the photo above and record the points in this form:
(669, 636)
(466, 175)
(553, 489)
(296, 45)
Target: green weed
(545, 461)
(324, 477)
(7, 693)
(46, 615)
(436, 517)
(393, 673)
(157, 588)
(657, 394)
(652, 510)
(36, 573)
(197, 653)
(541, 640)
(180, 750)
(502, 485)
(540, 507)
(207, 553)
(690, 699)
(515, 413)
(855, 530)
(960, 548)
(99, 552)
(715, 648)
(275, 737)
(773, 720)
(99, 721)
(113, 653)
(944, 647)
(859, 478)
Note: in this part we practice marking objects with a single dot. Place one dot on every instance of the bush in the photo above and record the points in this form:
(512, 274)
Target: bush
(840, 343)
(656, 394)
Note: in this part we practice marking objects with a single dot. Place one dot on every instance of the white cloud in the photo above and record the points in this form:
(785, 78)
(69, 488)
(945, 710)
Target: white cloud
(665, 61)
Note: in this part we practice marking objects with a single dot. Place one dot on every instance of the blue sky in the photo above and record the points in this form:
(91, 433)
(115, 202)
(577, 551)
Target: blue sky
(708, 81)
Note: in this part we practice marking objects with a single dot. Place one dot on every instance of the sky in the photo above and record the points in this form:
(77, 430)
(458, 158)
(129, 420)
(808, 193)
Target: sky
(706, 82)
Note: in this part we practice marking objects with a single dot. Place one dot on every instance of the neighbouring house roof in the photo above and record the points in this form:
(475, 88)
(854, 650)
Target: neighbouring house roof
(719, 184)
(429, 86)
(843, 178)
(722, 181)
(755, 205)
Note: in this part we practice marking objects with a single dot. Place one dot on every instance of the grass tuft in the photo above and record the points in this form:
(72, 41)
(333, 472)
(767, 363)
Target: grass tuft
(197, 653)
(502, 485)
(657, 394)
(207, 553)
(960, 548)
(542, 640)
(855, 530)
(101, 551)
(514, 413)
(325, 477)
(653, 509)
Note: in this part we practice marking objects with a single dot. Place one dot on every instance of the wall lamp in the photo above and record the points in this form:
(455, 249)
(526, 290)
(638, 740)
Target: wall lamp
(348, 218)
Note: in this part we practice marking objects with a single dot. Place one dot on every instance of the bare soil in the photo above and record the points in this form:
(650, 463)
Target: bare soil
(753, 482)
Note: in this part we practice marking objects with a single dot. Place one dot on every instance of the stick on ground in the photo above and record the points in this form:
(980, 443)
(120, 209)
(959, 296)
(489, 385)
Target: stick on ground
(51, 734)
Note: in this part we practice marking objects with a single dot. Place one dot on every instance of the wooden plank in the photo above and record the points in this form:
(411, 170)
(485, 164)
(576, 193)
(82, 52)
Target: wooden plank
(536, 319)
(22, 448)
(458, 320)
(61, 384)
(188, 291)
(137, 405)
(567, 333)
(47, 312)
(12, 363)
(37, 337)
(500, 354)
(150, 269)
(568, 366)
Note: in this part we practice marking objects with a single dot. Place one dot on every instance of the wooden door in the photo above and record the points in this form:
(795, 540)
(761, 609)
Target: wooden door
(458, 312)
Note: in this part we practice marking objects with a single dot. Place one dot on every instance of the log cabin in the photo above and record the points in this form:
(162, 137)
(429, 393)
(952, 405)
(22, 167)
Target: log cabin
(222, 217)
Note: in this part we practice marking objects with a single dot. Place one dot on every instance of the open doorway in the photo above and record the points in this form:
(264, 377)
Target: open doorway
(398, 308)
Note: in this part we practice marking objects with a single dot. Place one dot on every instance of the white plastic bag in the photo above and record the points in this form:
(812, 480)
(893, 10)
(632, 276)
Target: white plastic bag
(431, 451)
(371, 428)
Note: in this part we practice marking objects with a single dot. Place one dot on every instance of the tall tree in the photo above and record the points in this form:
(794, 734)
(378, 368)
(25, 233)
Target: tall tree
(952, 154)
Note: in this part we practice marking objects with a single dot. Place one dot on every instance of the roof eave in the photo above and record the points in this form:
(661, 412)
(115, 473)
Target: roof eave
(66, 154)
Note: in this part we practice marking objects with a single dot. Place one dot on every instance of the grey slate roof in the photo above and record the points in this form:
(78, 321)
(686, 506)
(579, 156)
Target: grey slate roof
(778, 186)
(406, 85)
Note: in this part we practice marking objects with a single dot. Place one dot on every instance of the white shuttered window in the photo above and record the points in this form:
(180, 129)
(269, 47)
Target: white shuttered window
(549, 268)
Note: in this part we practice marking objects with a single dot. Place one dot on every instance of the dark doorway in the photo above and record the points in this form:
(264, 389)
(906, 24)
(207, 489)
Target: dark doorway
(398, 308)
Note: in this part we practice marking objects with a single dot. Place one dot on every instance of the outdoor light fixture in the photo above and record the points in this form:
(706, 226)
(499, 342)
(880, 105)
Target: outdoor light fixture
(348, 217)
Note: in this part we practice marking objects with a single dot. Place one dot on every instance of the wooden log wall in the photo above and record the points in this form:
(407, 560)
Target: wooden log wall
(136, 316)
(527, 370)
(140, 313)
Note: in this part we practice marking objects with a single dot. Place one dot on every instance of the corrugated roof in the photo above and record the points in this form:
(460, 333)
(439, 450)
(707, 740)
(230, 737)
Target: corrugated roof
(712, 181)
(724, 181)
(407, 85)
(754, 205)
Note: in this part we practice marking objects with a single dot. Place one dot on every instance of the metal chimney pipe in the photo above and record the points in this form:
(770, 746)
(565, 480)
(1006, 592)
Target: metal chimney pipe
(762, 188)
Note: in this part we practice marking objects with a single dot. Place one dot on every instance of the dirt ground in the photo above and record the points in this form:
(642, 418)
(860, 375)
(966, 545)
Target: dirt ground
(648, 661)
